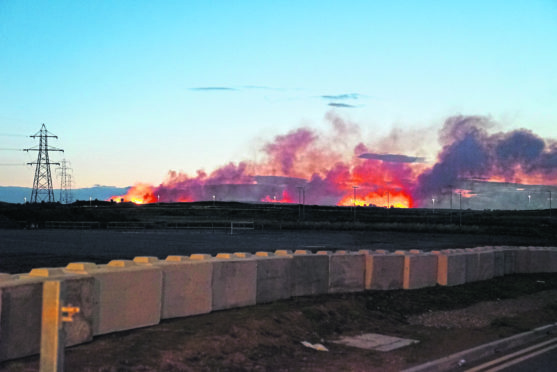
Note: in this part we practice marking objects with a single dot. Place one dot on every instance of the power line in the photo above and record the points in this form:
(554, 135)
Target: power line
(65, 182)
(42, 183)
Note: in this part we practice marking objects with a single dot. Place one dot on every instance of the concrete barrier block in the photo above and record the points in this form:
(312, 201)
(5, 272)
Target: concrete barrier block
(420, 270)
(346, 271)
(234, 281)
(186, 285)
(200, 256)
(242, 254)
(20, 317)
(552, 266)
(509, 254)
(498, 261)
(80, 292)
(383, 270)
(129, 295)
(522, 260)
(540, 260)
(283, 252)
(172, 258)
(310, 273)
(146, 260)
(274, 277)
(472, 265)
(486, 264)
(451, 268)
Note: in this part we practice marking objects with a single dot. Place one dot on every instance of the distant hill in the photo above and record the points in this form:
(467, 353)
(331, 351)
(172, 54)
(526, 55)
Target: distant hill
(12, 194)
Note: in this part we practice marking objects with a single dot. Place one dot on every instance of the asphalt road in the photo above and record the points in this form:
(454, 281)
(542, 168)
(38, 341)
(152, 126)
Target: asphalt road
(55, 247)
(539, 357)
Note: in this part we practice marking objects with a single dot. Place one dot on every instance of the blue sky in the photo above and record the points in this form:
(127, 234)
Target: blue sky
(136, 88)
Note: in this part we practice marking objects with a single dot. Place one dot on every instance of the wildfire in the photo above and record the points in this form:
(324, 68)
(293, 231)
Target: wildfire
(325, 168)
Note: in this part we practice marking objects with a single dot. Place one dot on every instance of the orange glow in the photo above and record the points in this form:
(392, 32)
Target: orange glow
(285, 198)
(139, 194)
(397, 199)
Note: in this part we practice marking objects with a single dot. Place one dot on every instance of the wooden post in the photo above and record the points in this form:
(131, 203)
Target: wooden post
(52, 327)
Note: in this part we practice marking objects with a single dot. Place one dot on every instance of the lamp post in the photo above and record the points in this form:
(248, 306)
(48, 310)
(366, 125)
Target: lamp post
(301, 201)
(549, 203)
(460, 208)
(433, 203)
(451, 211)
(354, 200)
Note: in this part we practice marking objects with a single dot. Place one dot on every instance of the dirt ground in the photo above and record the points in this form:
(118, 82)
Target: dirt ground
(268, 337)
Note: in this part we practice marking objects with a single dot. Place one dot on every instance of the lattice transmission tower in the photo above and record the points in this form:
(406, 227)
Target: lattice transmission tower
(42, 183)
(65, 182)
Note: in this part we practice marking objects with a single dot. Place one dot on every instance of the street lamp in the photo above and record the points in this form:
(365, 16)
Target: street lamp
(460, 208)
(354, 187)
(301, 201)
(433, 202)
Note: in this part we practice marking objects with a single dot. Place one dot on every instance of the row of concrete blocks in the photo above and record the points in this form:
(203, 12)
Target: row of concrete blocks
(128, 294)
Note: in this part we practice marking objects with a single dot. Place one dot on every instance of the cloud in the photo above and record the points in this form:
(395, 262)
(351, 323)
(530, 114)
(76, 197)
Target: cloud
(344, 105)
(393, 158)
(261, 87)
(213, 88)
(342, 96)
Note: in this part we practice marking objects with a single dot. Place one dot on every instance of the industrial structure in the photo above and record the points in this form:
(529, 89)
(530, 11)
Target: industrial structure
(42, 183)
(64, 172)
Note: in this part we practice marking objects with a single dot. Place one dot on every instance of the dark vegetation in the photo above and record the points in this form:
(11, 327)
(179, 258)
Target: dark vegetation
(102, 215)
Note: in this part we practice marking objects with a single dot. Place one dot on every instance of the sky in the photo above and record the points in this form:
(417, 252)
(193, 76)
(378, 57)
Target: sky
(134, 89)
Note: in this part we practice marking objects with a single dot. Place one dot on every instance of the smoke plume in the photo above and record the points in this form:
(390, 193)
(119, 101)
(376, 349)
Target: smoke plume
(470, 152)
(335, 168)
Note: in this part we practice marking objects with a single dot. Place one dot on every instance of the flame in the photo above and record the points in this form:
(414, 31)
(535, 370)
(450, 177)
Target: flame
(140, 193)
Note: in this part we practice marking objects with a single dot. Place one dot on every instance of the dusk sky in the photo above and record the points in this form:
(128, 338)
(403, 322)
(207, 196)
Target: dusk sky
(134, 89)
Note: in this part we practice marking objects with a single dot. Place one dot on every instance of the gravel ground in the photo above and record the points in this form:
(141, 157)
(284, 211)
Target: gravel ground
(484, 313)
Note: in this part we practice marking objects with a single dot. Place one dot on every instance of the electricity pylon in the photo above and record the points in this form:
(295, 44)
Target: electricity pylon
(65, 182)
(42, 183)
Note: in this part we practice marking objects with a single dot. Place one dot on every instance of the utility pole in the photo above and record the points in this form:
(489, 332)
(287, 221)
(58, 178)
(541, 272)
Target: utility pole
(42, 183)
(301, 201)
(451, 211)
(549, 203)
(65, 182)
(460, 208)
